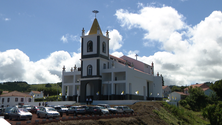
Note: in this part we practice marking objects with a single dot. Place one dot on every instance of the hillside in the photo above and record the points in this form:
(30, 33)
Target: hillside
(153, 113)
(23, 86)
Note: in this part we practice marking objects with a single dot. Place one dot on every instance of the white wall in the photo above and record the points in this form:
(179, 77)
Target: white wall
(93, 38)
(106, 40)
(92, 62)
(12, 101)
(157, 86)
(174, 96)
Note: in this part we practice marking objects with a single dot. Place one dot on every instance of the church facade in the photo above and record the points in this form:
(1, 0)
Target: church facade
(106, 77)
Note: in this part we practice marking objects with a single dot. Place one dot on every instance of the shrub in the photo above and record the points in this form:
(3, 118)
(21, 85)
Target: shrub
(183, 103)
(213, 113)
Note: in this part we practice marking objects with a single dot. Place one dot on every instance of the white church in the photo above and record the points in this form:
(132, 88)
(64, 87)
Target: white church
(105, 77)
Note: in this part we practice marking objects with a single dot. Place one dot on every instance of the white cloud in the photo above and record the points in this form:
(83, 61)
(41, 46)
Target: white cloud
(7, 19)
(133, 53)
(154, 21)
(16, 66)
(189, 54)
(64, 39)
(67, 37)
(115, 40)
(117, 54)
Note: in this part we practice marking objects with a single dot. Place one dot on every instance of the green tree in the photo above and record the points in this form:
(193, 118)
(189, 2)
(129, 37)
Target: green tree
(196, 99)
(48, 85)
(217, 87)
(213, 98)
(176, 88)
(49, 91)
(162, 81)
(213, 113)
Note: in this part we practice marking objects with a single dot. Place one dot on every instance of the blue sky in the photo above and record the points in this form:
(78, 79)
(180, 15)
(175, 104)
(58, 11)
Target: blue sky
(181, 37)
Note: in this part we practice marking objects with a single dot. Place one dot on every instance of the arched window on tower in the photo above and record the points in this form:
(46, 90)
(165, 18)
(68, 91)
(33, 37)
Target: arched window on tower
(89, 70)
(89, 46)
(104, 47)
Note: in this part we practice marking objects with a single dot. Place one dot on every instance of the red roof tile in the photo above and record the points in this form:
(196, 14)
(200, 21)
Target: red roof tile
(203, 86)
(163, 87)
(36, 92)
(15, 93)
(119, 59)
(181, 93)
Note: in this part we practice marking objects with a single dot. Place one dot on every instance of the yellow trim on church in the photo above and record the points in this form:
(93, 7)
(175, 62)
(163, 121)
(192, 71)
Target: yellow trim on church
(93, 29)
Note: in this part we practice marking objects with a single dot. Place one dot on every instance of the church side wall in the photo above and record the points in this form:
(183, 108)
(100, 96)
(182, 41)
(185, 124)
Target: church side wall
(138, 81)
(102, 62)
(157, 86)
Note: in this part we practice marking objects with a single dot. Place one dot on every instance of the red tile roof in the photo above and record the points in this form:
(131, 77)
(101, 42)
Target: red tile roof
(124, 61)
(36, 92)
(15, 93)
(181, 93)
(203, 86)
(4, 92)
(163, 87)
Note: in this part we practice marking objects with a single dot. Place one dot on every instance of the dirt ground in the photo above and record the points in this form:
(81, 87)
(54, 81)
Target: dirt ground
(144, 111)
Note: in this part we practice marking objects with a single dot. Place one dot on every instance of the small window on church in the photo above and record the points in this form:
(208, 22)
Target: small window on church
(89, 46)
(104, 66)
(89, 70)
(104, 47)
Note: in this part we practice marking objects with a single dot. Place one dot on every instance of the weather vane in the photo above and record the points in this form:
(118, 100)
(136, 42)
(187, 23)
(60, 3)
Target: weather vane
(95, 11)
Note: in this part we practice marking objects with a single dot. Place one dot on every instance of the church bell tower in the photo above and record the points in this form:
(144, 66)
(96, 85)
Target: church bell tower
(94, 58)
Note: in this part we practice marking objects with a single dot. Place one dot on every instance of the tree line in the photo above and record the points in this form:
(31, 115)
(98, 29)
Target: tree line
(22, 86)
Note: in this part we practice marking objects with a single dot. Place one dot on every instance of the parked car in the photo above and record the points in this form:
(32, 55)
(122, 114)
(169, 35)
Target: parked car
(47, 112)
(1, 112)
(6, 112)
(124, 109)
(61, 109)
(34, 109)
(75, 110)
(19, 114)
(98, 110)
(28, 107)
(111, 110)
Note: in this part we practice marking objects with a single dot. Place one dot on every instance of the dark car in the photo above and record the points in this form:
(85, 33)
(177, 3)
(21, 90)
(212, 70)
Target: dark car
(124, 109)
(28, 107)
(19, 114)
(75, 110)
(1, 112)
(61, 109)
(98, 110)
(6, 112)
(34, 109)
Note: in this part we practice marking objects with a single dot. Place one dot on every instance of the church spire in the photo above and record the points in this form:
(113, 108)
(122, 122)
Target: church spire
(95, 25)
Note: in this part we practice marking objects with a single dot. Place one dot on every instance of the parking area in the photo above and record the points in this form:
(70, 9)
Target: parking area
(36, 120)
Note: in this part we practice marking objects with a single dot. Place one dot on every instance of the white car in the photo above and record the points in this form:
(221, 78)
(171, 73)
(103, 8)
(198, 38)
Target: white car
(19, 114)
(104, 110)
(110, 109)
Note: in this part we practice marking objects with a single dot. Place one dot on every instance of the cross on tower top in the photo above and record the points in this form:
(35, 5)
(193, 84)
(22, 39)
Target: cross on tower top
(95, 11)
(136, 56)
